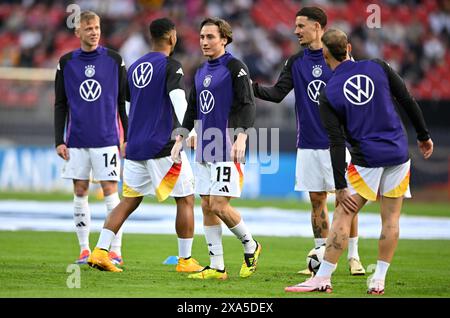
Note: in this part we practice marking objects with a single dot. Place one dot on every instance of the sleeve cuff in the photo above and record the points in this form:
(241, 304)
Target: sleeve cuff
(423, 136)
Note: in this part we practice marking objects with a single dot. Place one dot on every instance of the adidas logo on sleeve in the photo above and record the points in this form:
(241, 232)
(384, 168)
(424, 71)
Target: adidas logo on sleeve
(241, 73)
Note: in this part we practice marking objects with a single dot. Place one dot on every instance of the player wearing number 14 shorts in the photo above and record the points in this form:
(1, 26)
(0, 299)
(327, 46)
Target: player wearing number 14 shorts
(89, 95)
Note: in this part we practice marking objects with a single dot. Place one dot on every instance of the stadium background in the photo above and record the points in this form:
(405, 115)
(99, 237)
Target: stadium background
(413, 38)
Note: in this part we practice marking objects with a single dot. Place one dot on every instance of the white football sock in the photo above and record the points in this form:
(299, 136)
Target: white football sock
(242, 233)
(213, 236)
(326, 269)
(319, 241)
(82, 219)
(111, 202)
(353, 248)
(185, 247)
(105, 239)
(381, 270)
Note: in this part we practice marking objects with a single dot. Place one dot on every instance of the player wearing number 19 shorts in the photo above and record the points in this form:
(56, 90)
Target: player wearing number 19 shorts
(221, 98)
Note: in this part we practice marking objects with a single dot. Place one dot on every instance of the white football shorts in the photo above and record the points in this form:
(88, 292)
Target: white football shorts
(391, 182)
(220, 178)
(159, 177)
(104, 163)
(313, 171)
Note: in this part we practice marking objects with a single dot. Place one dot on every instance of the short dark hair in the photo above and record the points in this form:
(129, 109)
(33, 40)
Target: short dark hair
(224, 28)
(314, 13)
(160, 27)
(336, 42)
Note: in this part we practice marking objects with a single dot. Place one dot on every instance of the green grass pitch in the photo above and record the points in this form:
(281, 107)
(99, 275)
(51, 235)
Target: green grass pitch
(410, 206)
(34, 264)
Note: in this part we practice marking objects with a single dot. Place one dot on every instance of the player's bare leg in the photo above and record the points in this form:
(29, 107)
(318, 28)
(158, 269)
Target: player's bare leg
(220, 205)
(121, 212)
(340, 230)
(215, 210)
(81, 187)
(390, 216)
(212, 226)
(184, 221)
(99, 258)
(184, 226)
(355, 266)
(319, 215)
(108, 187)
(319, 221)
(354, 226)
(336, 243)
(209, 217)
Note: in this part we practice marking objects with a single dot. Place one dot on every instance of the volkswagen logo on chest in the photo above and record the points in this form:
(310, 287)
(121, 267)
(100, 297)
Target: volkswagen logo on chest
(314, 88)
(206, 101)
(142, 74)
(90, 90)
(359, 89)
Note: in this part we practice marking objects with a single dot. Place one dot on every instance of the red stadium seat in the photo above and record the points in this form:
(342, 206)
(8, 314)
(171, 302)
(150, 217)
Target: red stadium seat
(425, 90)
(447, 58)
(421, 15)
(403, 14)
(444, 90)
(387, 14)
(262, 18)
(430, 5)
(5, 11)
(331, 14)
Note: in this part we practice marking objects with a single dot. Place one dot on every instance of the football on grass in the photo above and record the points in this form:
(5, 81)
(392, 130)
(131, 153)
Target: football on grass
(314, 258)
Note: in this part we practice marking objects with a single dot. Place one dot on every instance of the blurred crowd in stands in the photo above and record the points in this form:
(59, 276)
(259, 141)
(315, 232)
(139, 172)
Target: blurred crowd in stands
(414, 36)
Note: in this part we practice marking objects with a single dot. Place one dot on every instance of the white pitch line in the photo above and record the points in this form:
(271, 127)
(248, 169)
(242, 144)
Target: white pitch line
(154, 218)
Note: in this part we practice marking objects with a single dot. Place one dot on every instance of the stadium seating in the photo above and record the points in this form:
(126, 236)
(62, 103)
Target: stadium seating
(274, 17)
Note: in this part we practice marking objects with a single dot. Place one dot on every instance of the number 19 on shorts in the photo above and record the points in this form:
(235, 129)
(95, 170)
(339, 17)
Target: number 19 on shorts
(223, 174)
